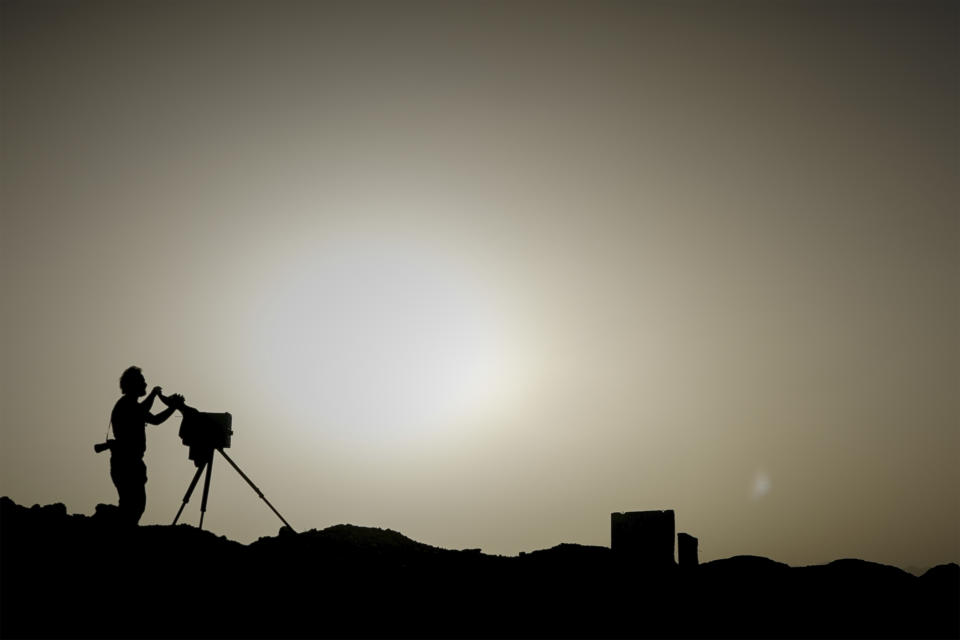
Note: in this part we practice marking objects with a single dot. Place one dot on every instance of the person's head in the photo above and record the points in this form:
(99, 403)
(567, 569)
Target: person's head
(132, 382)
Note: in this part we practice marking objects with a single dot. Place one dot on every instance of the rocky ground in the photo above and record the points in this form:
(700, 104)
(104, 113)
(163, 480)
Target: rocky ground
(65, 575)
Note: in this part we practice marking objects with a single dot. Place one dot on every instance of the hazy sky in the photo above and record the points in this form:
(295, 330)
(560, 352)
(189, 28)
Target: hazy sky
(485, 272)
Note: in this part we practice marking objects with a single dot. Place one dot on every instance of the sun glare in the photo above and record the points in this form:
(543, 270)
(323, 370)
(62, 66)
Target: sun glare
(382, 336)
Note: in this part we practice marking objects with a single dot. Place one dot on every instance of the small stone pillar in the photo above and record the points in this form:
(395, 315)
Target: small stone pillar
(645, 537)
(687, 551)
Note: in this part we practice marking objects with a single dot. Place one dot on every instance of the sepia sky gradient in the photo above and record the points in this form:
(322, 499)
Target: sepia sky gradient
(485, 272)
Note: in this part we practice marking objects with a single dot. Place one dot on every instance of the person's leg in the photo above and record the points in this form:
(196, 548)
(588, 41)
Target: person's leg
(130, 489)
(138, 491)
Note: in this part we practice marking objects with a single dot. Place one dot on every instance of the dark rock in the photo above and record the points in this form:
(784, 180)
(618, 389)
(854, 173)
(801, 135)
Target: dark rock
(52, 511)
(75, 576)
(947, 574)
(107, 514)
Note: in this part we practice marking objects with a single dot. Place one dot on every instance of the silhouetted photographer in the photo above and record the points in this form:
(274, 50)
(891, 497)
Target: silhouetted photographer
(129, 419)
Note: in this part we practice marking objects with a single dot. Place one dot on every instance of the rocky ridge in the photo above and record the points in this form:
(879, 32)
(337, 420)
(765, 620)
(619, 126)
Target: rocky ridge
(64, 575)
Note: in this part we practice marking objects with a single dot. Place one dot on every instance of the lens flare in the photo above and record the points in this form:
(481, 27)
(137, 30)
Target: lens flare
(761, 485)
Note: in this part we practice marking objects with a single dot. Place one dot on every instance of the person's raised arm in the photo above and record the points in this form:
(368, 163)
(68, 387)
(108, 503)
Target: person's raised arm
(147, 403)
(173, 403)
(157, 418)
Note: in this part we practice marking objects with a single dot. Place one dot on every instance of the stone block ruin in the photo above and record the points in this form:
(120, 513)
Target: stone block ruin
(647, 538)
(687, 550)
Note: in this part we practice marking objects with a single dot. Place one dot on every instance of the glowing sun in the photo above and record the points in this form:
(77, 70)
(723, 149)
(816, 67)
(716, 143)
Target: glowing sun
(385, 336)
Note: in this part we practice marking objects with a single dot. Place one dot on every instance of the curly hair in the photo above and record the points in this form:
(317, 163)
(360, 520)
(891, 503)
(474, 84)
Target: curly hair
(130, 380)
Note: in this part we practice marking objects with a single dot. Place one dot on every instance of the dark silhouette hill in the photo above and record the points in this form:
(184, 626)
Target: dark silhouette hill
(65, 575)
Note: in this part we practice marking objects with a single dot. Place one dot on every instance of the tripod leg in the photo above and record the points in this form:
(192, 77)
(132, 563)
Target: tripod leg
(206, 489)
(186, 496)
(250, 482)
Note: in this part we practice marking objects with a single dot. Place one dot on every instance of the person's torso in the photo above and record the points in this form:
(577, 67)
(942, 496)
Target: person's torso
(129, 427)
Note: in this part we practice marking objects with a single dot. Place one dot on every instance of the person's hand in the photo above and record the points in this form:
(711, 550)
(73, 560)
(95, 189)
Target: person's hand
(156, 391)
